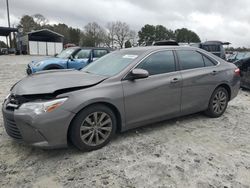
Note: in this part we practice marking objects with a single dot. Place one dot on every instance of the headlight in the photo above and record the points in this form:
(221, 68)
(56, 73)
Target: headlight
(42, 107)
(7, 96)
(38, 64)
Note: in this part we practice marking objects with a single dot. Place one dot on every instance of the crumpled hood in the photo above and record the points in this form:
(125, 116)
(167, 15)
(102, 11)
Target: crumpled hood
(47, 82)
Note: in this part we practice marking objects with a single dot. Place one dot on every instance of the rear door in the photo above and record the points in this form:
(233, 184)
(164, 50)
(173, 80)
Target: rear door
(157, 96)
(199, 78)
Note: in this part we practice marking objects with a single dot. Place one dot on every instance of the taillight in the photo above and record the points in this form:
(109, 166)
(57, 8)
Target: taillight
(237, 72)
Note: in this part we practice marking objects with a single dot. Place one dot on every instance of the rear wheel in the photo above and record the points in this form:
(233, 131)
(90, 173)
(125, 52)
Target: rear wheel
(93, 127)
(218, 103)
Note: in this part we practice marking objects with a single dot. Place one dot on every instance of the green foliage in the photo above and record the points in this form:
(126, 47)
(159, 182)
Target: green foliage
(147, 34)
(38, 21)
(187, 36)
(150, 33)
(2, 44)
(28, 24)
(128, 44)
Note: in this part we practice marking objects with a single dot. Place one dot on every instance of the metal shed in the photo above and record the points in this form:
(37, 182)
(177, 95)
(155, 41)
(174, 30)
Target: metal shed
(43, 42)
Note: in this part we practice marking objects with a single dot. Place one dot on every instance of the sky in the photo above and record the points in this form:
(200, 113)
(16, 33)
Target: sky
(224, 20)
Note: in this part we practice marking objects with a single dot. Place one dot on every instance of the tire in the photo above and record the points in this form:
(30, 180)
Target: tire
(218, 103)
(93, 128)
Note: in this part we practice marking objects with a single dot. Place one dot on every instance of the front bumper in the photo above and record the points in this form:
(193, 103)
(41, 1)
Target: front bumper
(47, 130)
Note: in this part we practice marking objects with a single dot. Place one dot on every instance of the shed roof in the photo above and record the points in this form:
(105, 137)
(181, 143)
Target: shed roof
(45, 35)
(5, 31)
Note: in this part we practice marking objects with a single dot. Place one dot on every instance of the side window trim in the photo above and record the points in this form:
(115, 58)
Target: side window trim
(125, 77)
(215, 62)
(165, 50)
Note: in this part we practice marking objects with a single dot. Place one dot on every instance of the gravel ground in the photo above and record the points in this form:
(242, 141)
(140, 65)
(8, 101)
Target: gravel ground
(192, 151)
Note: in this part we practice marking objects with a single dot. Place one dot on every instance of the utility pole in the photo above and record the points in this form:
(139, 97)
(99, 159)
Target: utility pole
(8, 16)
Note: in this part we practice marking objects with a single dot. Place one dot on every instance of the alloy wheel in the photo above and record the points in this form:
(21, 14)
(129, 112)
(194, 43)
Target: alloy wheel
(219, 102)
(96, 128)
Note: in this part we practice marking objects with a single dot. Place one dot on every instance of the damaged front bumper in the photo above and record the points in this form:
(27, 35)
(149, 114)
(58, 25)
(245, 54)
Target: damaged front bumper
(47, 130)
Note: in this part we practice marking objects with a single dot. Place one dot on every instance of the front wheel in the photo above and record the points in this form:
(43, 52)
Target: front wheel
(93, 127)
(218, 103)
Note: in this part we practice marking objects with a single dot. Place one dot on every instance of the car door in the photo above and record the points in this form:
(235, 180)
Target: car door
(156, 97)
(80, 59)
(200, 75)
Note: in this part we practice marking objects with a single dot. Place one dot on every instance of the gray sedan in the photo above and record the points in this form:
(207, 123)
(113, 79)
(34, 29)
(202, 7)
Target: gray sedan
(122, 90)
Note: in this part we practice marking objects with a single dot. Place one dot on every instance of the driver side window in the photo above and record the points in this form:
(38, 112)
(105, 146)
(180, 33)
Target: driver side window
(82, 54)
(159, 63)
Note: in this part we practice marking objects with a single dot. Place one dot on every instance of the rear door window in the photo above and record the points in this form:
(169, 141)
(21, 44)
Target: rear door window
(159, 63)
(190, 59)
(208, 62)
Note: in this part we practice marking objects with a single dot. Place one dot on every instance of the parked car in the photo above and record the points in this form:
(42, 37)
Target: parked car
(244, 66)
(238, 56)
(215, 47)
(120, 91)
(70, 58)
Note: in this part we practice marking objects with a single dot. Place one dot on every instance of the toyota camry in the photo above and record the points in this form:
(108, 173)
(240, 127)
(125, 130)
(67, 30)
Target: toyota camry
(120, 91)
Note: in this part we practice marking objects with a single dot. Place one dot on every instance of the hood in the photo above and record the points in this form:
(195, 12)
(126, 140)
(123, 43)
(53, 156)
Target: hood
(48, 61)
(47, 82)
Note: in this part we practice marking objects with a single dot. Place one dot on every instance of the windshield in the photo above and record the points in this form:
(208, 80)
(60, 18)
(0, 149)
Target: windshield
(66, 53)
(112, 64)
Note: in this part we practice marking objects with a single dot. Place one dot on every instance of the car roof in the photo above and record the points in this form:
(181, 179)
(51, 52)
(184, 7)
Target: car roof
(155, 48)
(90, 48)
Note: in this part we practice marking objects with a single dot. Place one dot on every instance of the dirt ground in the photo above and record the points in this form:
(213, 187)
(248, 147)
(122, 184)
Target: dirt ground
(192, 151)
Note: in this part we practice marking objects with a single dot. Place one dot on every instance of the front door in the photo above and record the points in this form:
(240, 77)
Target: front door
(156, 97)
(80, 59)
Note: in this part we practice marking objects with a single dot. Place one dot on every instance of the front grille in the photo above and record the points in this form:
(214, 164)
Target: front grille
(14, 101)
(11, 128)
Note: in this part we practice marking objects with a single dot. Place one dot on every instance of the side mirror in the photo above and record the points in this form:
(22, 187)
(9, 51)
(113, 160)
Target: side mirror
(71, 58)
(138, 74)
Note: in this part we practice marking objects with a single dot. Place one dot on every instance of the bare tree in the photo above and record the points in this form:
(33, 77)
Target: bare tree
(110, 34)
(133, 37)
(40, 19)
(93, 35)
(121, 32)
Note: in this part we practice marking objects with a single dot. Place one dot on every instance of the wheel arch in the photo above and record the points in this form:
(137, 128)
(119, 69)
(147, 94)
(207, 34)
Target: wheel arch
(109, 105)
(51, 66)
(227, 87)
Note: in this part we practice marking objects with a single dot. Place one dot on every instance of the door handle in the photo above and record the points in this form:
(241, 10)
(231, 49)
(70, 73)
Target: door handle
(214, 72)
(174, 80)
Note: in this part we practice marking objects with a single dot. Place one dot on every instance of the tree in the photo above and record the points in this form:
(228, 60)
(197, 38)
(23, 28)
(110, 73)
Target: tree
(147, 34)
(109, 37)
(40, 19)
(187, 36)
(162, 33)
(28, 23)
(2, 44)
(62, 29)
(121, 32)
(128, 44)
(93, 35)
(74, 35)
